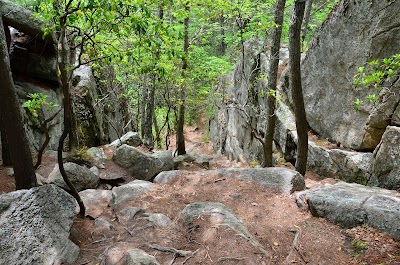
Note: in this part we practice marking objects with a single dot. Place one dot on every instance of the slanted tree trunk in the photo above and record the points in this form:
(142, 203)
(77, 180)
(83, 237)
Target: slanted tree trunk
(5, 151)
(272, 79)
(295, 84)
(24, 172)
(307, 14)
(180, 138)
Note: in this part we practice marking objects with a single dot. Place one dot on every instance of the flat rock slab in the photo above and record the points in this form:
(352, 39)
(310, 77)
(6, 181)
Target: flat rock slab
(35, 227)
(351, 205)
(224, 215)
(281, 180)
(97, 202)
(129, 192)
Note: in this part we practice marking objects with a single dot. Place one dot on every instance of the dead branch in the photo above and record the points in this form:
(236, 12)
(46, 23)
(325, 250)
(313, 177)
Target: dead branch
(189, 257)
(295, 245)
(178, 252)
(222, 259)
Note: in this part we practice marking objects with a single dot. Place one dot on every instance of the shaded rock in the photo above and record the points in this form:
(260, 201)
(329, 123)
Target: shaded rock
(97, 154)
(181, 159)
(130, 212)
(103, 224)
(141, 165)
(10, 172)
(225, 215)
(80, 176)
(336, 163)
(158, 219)
(351, 205)
(95, 170)
(97, 202)
(396, 117)
(130, 138)
(130, 191)
(35, 227)
(167, 159)
(139, 257)
(281, 180)
(386, 163)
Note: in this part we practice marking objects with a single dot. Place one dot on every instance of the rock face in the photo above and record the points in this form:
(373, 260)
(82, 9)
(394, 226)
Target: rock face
(80, 176)
(386, 165)
(35, 226)
(352, 204)
(355, 33)
(141, 165)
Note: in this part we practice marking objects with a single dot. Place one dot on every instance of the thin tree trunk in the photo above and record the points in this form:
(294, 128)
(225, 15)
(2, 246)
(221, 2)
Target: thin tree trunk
(147, 129)
(63, 68)
(5, 152)
(307, 14)
(222, 32)
(24, 172)
(295, 84)
(272, 79)
(180, 138)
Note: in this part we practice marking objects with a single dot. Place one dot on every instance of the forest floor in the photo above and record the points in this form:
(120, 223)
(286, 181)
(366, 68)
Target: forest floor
(269, 217)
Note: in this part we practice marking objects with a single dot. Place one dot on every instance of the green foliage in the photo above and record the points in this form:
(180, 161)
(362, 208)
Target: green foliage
(36, 102)
(358, 247)
(79, 156)
(374, 74)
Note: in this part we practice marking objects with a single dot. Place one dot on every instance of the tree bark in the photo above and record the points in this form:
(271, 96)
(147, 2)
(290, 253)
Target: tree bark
(306, 19)
(5, 151)
(296, 87)
(272, 79)
(180, 137)
(25, 177)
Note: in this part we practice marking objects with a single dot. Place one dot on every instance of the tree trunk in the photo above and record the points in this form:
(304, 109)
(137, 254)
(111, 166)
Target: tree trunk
(295, 84)
(148, 138)
(25, 177)
(222, 48)
(307, 14)
(180, 138)
(272, 79)
(5, 151)
(64, 79)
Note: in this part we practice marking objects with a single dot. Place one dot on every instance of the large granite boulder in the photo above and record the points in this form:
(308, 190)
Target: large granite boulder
(80, 176)
(281, 180)
(35, 227)
(355, 32)
(129, 192)
(142, 165)
(386, 163)
(351, 205)
(130, 138)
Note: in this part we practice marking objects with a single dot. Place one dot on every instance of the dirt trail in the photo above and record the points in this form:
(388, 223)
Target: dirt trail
(290, 235)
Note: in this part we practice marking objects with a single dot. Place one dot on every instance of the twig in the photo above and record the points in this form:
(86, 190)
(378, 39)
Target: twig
(295, 244)
(173, 259)
(189, 257)
(217, 180)
(177, 252)
(221, 259)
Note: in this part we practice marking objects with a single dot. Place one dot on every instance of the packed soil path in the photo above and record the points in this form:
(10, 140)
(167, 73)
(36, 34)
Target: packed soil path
(290, 235)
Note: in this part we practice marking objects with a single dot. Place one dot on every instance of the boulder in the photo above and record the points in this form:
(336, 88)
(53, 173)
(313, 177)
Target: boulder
(351, 205)
(96, 202)
(349, 166)
(140, 257)
(386, 163)
(371, 32)
(35, 227)
(141, 165)
(80, 176)
(281, 180)
(166, 176)
(223, 215)
(130, 191)
(130, 138)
